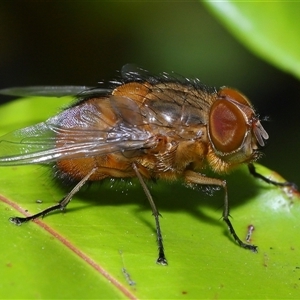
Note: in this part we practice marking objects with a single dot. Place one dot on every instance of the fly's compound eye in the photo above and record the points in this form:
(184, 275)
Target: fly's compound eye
(227, 126)
(229, 93)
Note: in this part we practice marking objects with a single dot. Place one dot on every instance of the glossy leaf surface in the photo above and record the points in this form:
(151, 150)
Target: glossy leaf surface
(270, 29)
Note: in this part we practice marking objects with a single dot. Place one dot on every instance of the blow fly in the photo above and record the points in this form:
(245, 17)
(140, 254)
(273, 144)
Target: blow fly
(144, 126)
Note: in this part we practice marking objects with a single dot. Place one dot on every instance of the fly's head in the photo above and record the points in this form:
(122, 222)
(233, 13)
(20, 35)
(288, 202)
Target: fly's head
(234, 131)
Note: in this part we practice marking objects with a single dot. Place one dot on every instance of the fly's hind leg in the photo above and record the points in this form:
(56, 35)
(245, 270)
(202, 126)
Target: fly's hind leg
(61, 205)
(196, 178)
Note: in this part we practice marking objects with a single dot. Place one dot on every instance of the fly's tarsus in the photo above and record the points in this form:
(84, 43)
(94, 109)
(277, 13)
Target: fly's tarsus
(227, 221)
(237, 239)
(61, 205)
(253, 172)
(162, 260)
(20, 220)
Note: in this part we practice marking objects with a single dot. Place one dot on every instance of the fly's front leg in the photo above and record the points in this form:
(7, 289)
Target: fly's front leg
(61, 205)
(161, 254)
(196, 178)
(253, 171)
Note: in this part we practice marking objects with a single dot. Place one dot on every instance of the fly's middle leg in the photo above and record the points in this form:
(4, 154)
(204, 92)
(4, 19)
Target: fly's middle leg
(161, 254)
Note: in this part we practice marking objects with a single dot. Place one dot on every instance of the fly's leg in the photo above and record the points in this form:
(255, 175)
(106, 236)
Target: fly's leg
(253, 172)
(230, 227)
(61, 205)
(161, 254)
(195, 178)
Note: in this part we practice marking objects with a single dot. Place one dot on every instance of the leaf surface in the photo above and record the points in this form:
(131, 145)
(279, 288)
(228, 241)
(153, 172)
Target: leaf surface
(269, 29)
(105, 240)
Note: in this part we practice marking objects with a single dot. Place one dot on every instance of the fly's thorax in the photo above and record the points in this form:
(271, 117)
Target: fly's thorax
(133, 90)
(176, 117)
(234, 131)
(168, 103)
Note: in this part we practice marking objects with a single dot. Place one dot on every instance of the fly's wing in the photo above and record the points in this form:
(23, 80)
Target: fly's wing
(80, 131)
(53, 91)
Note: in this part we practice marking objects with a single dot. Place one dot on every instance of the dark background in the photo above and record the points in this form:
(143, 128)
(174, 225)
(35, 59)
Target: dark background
(83, 42)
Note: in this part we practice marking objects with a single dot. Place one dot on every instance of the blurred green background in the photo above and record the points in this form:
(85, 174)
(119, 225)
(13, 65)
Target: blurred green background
(83, 42)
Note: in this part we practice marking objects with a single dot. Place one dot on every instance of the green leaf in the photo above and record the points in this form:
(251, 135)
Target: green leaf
(268, 28)
(108, 227)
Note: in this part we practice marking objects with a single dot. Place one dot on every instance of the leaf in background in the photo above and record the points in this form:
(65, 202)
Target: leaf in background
(77, 254)
(270, 29)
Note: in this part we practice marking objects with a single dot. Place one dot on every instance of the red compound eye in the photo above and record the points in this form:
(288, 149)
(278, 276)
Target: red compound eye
(229, 93)
(227, 125)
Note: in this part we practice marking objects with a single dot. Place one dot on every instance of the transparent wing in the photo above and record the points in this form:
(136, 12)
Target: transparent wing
(53, 91)
(89, 129)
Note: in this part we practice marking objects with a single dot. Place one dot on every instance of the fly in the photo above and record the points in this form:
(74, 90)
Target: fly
(144, 126)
